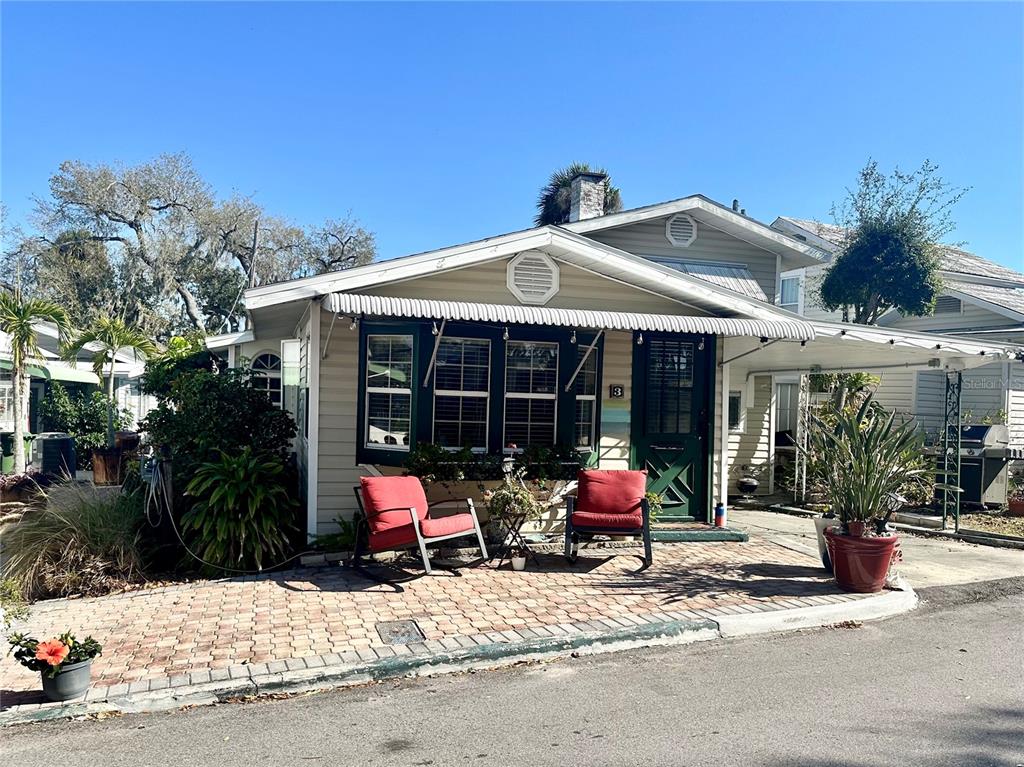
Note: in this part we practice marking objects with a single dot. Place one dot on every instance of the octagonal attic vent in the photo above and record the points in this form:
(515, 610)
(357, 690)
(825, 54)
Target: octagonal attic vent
(681, 230)
(532, 277)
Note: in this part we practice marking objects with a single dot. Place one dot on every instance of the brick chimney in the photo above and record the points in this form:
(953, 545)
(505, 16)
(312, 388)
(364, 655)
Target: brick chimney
(587, 196)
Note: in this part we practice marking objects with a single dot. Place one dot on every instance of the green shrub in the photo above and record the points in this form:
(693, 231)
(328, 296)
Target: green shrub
(184, 354)
(434, 463)
(243, 515)
(83, 416)
(204, 413)
(79, 542)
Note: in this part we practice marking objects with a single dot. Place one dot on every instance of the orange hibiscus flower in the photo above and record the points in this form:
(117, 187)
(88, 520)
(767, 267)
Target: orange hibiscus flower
(53, 651)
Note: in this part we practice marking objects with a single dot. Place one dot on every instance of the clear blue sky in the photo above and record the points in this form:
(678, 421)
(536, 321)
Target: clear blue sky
(437, 124)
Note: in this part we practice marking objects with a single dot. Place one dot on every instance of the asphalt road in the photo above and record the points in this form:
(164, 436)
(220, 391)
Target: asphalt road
(941, 686)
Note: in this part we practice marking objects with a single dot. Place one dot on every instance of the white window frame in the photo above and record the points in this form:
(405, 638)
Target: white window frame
(265, 375)
(799, 292)
(741, 425)
(587, 398)
(368, 390)
(485, 395)
(523, 395)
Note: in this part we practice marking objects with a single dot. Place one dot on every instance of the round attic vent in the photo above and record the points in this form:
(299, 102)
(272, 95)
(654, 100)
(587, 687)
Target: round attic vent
(532, 277)
(681, 230)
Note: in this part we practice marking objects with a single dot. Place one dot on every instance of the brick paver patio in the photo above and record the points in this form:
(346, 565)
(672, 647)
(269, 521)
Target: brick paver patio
(174, 630)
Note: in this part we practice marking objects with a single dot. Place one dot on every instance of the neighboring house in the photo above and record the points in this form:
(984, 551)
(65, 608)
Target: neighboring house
(646, 338)
(76, 376)
(981, 300)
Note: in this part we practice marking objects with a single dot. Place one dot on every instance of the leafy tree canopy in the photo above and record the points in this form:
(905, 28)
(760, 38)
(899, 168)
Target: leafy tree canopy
(555, 197)
(153, 244)
(888, 257)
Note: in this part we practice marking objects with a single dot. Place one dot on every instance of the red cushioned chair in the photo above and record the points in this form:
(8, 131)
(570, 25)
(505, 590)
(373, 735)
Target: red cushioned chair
(608, 503)
(396, 515)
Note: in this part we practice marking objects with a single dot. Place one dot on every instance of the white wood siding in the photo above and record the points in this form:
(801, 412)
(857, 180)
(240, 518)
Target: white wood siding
(752, 446)
(1015, 409)
(617, 368)
(578, 289)
(337, 472)
(896, 390)
(972, 317)
(648, 239)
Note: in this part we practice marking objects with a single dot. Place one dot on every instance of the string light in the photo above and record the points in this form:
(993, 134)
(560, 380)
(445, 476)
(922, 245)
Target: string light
(572, 338)
(700, 346)
(433, 330)
(352, 325)
(640, 339)
(504, 334)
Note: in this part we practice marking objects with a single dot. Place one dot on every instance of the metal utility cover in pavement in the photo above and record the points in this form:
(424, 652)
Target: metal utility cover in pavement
(399, 632)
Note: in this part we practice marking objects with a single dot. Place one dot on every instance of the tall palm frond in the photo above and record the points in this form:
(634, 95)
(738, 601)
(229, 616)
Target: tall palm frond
(555, 197)
(105, 337)
(20, 318)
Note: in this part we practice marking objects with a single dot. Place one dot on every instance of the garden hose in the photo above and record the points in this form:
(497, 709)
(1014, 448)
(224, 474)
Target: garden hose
(158, 499)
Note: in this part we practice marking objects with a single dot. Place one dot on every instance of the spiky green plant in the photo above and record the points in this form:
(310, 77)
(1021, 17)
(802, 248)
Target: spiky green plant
(20, 318)
(243, 513)
(105, 338)
(864, 459)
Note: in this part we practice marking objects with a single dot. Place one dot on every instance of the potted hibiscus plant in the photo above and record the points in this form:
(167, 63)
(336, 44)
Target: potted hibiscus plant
(865, 460)
(64, 662)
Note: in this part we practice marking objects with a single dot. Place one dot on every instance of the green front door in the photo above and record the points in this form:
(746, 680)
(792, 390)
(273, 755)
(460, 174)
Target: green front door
(673, 378)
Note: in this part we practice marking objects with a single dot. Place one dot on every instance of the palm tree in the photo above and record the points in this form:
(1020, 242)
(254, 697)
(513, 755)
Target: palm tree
(553, 203)
(19, 318)
(105, 337)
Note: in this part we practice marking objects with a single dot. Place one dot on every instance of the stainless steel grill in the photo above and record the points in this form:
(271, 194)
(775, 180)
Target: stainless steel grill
(985, 455)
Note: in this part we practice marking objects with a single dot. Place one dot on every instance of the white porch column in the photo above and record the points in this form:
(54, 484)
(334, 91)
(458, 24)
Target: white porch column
(313, 408)
(723, 440)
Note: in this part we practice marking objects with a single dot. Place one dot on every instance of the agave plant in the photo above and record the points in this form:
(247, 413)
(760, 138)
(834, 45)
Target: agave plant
(865, 459)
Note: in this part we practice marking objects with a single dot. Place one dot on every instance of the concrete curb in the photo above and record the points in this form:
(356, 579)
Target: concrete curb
(883, 605)
(461, 654)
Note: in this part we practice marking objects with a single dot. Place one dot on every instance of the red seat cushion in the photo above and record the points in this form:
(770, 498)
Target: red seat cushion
(404, 535)
(611, 494)
(386, 501)
(392, 538)
(585, 519)
(455, 523)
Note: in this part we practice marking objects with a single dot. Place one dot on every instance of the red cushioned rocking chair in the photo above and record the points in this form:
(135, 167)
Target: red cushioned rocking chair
(608, 503)
(396, 515)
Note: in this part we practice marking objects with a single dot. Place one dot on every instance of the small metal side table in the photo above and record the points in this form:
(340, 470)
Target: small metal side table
(513, 539)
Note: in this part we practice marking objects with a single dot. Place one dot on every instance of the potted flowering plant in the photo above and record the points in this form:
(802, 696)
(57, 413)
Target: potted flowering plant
(64, 662)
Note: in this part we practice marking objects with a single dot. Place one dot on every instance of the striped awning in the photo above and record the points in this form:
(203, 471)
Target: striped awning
(357, 304)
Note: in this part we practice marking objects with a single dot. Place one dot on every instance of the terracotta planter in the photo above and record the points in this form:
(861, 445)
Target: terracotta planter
(860, 564)
(106, 466)
(1015, 507)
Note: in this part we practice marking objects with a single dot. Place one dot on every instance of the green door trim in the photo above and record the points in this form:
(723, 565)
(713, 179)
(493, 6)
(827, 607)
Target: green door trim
(705, 366)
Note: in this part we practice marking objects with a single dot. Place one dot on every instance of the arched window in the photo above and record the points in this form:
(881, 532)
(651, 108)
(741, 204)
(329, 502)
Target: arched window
(267, 368)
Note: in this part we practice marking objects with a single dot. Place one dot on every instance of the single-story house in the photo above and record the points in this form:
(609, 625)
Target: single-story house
(980, 300)
(75, 376)
(644, 338)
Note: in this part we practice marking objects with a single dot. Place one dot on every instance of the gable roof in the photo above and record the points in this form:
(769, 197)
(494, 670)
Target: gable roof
(706, 210)
(952, 260)
(566, 246)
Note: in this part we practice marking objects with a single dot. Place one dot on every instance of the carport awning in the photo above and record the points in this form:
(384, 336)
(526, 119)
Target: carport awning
(357, 304)
(56, 372)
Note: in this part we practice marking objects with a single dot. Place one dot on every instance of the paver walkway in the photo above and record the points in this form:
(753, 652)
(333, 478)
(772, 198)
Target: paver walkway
(207, 625)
